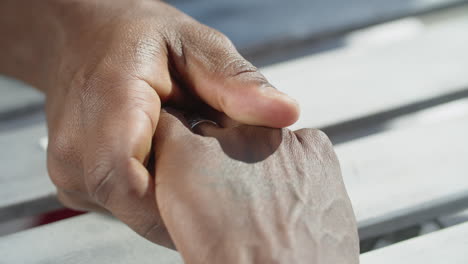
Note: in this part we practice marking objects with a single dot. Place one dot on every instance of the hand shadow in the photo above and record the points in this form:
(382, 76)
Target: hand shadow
(245, 143)
(249, 144)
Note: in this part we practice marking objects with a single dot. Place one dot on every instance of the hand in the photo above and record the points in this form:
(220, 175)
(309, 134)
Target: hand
(252, 195)
(116, 62)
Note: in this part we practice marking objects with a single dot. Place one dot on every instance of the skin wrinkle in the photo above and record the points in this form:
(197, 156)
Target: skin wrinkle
(176, 60)
(237, 66)
(98, 183)
(143, 54)
(151, 229)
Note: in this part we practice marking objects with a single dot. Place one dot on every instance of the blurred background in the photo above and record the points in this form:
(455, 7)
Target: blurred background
(358, 68)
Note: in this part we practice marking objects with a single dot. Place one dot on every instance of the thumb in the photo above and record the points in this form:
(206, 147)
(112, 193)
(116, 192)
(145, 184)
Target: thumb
(221, 77)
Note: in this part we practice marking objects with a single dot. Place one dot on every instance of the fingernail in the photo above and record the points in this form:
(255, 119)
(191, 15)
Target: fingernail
(272, 91)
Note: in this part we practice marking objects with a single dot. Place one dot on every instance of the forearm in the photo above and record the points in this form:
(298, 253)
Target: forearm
(31, 35)
(36, 35)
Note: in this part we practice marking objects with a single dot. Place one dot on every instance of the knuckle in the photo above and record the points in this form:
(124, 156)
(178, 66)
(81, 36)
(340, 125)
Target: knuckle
(218, 52)
(288, 135)
(319, 152)
(130, 181)
(62, 164)
(99, 182)
(60, 180)
(314, 136)
(320, 136)
(316, 141)
(219, 38)
(324, 147)
(62, 147)
(194, 33)
(105, 180)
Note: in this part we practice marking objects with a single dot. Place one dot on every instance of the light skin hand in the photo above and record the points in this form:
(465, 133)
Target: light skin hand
(107, 67)
(248, 194)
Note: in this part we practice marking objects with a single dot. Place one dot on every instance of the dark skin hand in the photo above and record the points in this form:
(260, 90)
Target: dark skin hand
(244, 194)
(106, 68)
(230, 195)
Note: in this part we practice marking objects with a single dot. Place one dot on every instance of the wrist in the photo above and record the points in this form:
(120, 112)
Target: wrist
(236, 250)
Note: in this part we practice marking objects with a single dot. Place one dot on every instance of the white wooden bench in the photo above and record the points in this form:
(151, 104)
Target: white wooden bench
(445, 246)
(402, 172)
(273, 25)
(17, 99)
(323, 84)
(99, 239)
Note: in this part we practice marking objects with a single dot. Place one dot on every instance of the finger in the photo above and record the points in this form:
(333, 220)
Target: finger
(311, 135)
(119, 137)
(222, 78)
(315, 141)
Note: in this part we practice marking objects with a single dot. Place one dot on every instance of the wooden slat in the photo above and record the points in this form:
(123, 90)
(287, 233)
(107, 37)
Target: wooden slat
(446, 246)
(88, 239)
(99, 239)
(276, 23)
(270, 24)
(454, 219)
(356, 82)
(404, 177)
(17, 98)
(394, 179)
(25, 188)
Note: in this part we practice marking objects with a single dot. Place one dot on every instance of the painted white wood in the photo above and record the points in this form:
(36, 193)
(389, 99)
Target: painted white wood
(354, 82)
(271, 23)
(406, 176)
(100, 239)
(454, 219)
(16, 96)
(350, 83)
(446, 246)
(25, 188)
(88, 239)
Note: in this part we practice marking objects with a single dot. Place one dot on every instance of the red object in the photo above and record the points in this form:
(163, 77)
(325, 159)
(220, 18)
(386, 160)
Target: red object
(57, 216)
